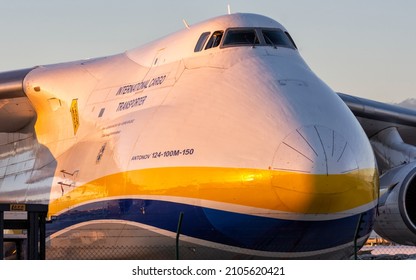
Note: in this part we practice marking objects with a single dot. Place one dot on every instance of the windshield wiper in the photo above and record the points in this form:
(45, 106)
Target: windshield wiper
(255, 38)
(269, 41)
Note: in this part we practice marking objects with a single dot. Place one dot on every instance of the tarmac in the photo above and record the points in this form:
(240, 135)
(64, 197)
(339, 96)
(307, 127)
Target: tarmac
(390, 252)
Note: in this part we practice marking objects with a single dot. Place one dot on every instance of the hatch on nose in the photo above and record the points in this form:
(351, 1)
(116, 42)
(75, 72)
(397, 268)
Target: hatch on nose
(315, 171)
(315, 149)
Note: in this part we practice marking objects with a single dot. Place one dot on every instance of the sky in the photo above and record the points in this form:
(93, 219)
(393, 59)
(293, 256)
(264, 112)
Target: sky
(360, 47)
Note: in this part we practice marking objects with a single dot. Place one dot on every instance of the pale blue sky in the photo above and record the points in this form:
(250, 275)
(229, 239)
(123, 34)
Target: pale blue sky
(361, 47)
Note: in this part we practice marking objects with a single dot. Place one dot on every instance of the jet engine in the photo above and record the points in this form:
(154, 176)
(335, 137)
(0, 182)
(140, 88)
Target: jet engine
(396, 219)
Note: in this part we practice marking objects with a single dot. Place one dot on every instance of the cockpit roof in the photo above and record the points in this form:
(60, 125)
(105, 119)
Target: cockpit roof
(240, 20)
(182, 44)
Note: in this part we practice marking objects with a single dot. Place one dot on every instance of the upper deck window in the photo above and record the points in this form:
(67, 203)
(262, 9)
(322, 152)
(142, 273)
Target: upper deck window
(277, 38)
(201, 41)
(215, 40)
(241, 37)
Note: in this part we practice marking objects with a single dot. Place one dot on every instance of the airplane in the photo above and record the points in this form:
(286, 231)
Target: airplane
(219, 133)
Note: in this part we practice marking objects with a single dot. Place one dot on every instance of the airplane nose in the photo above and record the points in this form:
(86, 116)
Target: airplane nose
(316, 172)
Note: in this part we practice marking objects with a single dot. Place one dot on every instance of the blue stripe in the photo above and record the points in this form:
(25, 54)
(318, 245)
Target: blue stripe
(240, 230)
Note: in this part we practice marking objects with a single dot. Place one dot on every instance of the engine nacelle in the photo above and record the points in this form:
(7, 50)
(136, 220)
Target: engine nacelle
(397, 206)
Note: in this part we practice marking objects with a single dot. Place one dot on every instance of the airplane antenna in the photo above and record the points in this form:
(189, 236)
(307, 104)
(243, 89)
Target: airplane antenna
(229, 9)
(186, 24)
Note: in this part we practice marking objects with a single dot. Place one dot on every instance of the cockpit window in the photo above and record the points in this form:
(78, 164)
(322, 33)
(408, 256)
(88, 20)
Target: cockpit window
(215, 40)
(291, 40)
(241, 37)
(255, 36)
(277, 38)
(201, 41)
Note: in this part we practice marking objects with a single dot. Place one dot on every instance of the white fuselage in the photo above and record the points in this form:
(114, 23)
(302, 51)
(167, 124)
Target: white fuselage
(257, 152)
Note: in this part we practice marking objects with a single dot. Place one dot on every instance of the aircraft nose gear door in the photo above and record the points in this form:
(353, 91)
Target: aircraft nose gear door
(29, 220)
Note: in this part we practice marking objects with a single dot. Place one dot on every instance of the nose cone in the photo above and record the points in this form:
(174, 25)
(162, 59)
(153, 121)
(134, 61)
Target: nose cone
(317, 172)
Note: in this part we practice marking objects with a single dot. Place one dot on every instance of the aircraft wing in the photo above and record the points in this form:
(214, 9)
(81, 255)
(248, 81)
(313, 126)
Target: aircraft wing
(16, 110)
(376, 116)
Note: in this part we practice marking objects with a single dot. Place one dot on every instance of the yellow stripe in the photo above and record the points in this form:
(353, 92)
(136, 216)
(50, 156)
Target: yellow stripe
(267, 189)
